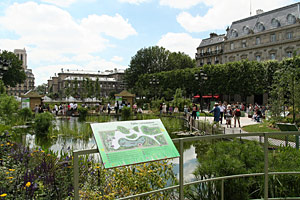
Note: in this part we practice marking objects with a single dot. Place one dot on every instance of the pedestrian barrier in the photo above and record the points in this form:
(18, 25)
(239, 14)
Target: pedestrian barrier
(181, 185)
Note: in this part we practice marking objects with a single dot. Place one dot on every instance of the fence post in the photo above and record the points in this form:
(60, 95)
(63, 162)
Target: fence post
(222, 190)
(266, 169)
(76, 176)
(181, 181)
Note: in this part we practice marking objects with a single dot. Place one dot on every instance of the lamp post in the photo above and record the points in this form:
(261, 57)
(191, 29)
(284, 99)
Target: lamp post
(154, 82)
(200, 77)
(4, 64)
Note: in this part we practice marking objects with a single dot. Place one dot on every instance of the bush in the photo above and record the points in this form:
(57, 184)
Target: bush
(82, 113)
(126, 113)
(8, 106)
(43, 122)
(25, 114)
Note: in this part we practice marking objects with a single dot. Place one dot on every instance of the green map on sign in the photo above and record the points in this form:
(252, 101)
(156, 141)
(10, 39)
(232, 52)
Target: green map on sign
(130, 142)
(139, 136)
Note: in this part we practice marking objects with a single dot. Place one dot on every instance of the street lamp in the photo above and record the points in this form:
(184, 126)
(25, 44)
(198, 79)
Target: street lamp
(3, 66)
(201, 77)
(154, 82)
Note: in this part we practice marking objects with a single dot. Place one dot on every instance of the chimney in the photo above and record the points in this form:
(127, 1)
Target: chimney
(259, 11)
(212, 35)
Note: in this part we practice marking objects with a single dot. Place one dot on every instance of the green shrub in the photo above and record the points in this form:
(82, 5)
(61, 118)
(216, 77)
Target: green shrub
(126, 113)
(82, 113)
(43, 122)
(25, 114)
(8, 106)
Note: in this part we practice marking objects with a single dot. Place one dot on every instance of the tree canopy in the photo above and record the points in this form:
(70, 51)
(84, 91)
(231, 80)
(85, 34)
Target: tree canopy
(155, 59)
(15, 73)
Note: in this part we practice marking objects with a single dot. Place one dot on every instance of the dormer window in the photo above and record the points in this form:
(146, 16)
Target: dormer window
(234, 33)
(246, 30)
(275, 23)
(260, 26)
(291, 19)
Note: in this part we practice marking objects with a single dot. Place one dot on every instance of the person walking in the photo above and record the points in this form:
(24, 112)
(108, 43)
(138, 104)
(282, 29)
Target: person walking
(237, 115)
(228, 114)
(222, 109)
(216, 111)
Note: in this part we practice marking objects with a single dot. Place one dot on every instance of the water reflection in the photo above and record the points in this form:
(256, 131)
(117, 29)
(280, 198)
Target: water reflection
(70, 134)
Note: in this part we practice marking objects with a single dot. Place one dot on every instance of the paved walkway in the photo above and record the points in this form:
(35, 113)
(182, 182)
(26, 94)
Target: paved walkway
(245, 121)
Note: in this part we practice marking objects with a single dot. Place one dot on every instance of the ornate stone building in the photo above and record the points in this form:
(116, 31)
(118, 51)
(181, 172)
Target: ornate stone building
(109, 81)
(272, 35)
(210, 50)
(23, 88)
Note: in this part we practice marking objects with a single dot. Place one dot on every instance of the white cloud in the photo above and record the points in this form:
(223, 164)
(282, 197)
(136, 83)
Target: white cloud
(180, 4)
(182, 42)
(112, 26)
(51, 35)
(134, 1)
(61, 3)
(117, 59)
(222, 13)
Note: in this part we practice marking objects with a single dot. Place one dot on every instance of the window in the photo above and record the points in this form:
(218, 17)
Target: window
(258, 58)
(231, 45)
(260, 27)
(246, 30)
(273, 56)
(208, 49)
(289, 35)
(289, 54)
(234, 33)
(244, 43)
(273, 38)
(217, 48)
(202, 51)
(291, 19)
(275, 23)
(257, 41)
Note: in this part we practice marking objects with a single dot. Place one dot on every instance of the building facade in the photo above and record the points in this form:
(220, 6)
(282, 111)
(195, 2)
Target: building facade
(28, 84)
(210, 50)
(109, 81)
(272, 35)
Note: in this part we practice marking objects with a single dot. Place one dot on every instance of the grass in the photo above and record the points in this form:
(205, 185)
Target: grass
(264, 127)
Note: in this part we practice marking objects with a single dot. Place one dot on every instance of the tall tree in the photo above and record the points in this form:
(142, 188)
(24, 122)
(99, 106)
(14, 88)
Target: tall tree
(146, 60)
(15, 73)
(97, 89)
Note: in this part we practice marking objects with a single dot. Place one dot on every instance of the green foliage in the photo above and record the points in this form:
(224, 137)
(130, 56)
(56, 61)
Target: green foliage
(126, 113)
(82, 113)
(15, 73)
(43, 122)
(41, 89)
(223, 159)
(2, 87)
(33, 174)
(8, 106)
(25, 114)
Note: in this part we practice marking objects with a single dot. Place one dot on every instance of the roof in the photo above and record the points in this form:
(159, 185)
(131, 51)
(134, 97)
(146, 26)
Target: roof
(125, 93)
(31, 94)
(106, 72)
(264, 21)
(100, 79)
(212, 41)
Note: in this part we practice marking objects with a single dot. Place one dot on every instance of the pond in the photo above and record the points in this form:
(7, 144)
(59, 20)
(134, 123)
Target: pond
(71, 134)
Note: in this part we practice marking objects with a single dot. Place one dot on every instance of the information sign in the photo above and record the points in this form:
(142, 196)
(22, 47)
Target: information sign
(25, 103)
(131, 142)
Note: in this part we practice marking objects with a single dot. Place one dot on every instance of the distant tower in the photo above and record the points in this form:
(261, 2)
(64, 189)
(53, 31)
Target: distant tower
(22, 55)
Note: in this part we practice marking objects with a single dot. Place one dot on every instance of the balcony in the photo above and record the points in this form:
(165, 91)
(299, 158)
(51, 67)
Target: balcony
(209, 53)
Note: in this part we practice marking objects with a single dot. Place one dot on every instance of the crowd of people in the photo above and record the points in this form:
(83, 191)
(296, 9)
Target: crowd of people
(231, 113)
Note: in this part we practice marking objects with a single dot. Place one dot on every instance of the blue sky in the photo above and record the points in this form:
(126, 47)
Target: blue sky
(105, 34)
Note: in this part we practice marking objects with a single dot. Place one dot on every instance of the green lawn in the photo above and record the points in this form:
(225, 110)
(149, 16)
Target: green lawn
(260, 127)
(265, 128)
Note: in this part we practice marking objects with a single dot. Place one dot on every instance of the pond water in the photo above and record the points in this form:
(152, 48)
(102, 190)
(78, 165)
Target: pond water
(71, 134)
